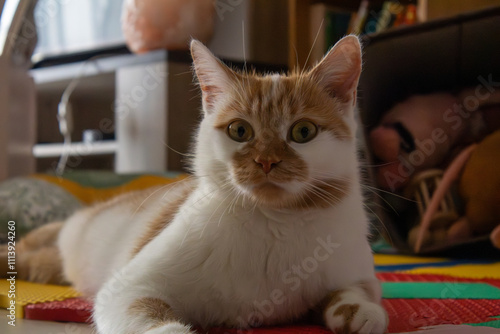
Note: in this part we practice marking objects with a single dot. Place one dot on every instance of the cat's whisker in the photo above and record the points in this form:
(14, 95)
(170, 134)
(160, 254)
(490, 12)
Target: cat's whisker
(211, 193)
(329, 184)
(332, 186)
(228, 208)
(310, 198)
(319, 192)
(296, 58)
(196, 97)
(190, 73)
(363, 165)
(239, 195)
(375, 191)
(380, 222)
(245, 69)
(368, 208)
(323, 194)
(207, 222)
(312, 47)
(152, 194)
(190, 155)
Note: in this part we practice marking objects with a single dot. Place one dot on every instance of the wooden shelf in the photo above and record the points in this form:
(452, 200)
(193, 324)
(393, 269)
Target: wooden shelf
(52, 150)
(299, 24)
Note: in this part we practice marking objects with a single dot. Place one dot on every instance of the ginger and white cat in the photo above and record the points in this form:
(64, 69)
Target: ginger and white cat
(270, 227)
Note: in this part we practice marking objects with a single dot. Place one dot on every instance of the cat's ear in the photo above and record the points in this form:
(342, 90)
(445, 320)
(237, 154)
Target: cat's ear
(339, 70)
(213, 76)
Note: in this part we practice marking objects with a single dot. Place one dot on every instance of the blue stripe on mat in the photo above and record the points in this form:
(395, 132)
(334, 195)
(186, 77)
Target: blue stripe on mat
(409, 266)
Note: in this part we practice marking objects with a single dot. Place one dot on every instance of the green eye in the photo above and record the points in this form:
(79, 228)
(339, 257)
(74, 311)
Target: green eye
(303, 131)
(240, 131)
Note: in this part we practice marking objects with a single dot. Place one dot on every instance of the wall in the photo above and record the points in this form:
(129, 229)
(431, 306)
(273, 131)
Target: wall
(264, 37)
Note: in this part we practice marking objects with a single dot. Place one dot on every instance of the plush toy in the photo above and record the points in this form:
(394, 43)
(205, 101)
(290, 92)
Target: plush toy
(415, 135)
(425, 132)
(420, 132)
(166, 24)
(476, 169)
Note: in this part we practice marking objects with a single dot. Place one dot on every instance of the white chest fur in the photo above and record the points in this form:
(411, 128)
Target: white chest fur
(252, 266)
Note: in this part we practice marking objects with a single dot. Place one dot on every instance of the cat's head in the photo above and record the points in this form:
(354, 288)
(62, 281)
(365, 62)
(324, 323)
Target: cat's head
(283, 141)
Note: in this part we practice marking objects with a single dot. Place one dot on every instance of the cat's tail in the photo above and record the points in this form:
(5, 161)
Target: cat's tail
(36, 257)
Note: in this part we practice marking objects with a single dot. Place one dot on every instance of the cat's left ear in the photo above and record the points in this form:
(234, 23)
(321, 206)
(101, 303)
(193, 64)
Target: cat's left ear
(213, 76)
(339, 70)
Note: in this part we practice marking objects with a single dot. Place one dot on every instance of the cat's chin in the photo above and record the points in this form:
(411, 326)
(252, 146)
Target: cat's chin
(271, 194)
(268, 189)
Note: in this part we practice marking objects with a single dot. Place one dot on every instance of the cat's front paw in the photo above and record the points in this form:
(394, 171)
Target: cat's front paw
(362, 317)
(171, 328)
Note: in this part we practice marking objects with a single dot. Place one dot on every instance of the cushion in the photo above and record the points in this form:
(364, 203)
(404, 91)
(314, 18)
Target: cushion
(32, 202)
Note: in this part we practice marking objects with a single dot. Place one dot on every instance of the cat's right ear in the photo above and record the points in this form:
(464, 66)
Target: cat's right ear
(213, 76)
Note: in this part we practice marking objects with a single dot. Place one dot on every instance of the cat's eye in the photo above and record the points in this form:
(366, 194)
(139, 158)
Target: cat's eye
(240, 131)
(303, 131)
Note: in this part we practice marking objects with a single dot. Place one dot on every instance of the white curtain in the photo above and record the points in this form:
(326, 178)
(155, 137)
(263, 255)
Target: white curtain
(75, 25)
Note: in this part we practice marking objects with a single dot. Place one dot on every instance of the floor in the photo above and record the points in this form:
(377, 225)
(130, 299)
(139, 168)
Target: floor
(24, 326)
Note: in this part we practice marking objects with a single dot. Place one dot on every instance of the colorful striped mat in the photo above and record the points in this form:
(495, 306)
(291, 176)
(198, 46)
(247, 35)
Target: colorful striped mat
(438, 295)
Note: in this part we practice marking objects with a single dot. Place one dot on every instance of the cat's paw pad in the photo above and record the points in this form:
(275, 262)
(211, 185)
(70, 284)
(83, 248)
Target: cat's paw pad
(362, 318)
(171, 328)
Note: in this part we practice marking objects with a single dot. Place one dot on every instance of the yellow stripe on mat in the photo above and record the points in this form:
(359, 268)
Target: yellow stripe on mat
(387, 260)
(476, 271)
(31, 293)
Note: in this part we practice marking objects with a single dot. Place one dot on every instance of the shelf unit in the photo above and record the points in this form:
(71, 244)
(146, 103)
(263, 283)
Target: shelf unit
(147, 101)
(54, 150)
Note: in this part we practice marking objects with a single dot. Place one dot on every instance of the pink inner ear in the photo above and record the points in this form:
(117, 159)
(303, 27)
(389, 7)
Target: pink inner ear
(210, 94)
(351, 80)
(213, 76)
(343, 81)
(340, 69)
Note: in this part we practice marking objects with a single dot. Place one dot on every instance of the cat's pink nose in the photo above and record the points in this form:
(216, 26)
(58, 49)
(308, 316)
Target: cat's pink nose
(267, 164)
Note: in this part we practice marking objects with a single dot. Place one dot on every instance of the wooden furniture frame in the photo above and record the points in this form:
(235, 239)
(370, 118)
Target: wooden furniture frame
(299, 40)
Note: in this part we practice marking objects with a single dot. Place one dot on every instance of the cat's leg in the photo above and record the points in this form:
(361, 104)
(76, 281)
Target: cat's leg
(145, 315)
(131, 302)
(156, 317)
(355, 309)
(37, 256)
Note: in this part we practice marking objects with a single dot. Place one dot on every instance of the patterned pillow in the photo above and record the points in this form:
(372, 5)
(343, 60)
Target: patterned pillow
(31, 202)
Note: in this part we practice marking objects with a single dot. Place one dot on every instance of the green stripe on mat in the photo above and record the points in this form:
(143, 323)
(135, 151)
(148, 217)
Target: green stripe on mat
(439, 290)
(494, 323)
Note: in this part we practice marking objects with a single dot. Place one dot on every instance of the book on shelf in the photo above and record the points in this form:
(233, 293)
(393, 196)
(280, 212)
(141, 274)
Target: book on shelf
(328, 23)
(374, 17)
